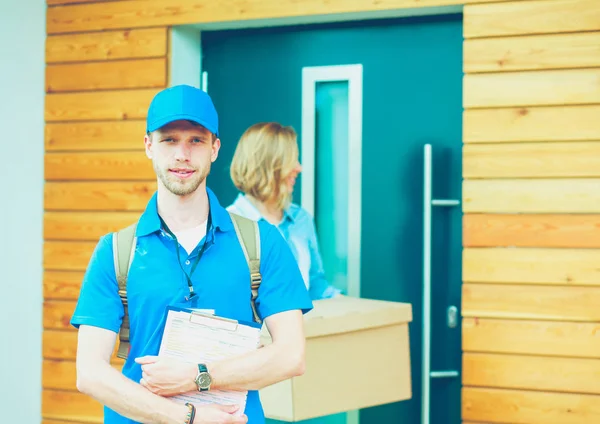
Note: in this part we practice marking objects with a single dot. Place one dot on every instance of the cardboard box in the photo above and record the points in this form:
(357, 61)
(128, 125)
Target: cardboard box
(357, 356)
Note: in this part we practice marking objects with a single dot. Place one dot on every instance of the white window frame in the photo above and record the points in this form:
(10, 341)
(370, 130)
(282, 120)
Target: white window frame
(353, 74)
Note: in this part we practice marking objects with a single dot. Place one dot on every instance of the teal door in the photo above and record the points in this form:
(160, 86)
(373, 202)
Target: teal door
(411, 97)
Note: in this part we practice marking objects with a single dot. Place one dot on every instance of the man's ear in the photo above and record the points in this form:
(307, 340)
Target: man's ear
(148, 145)
(216, 146)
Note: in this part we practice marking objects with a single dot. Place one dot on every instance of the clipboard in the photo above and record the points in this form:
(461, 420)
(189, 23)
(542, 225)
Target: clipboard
(203, 317)
(198, 336)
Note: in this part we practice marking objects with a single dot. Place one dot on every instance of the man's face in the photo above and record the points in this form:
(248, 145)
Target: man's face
(182, 153)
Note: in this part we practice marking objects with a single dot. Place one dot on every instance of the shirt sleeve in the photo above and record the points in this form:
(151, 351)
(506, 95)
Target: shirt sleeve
(282, 287)
(319, 286)
(99, 304)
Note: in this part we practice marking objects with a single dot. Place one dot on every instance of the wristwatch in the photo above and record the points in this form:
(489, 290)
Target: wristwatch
(203, 380)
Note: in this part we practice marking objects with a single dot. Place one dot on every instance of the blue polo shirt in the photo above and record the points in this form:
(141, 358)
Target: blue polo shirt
(156, 280)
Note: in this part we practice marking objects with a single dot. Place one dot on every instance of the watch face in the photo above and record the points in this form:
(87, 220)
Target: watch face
(204, 380)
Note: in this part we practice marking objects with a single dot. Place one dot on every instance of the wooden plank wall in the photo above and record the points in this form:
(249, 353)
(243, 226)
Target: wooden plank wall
(531, 191)
(531, 167)
(98, 179)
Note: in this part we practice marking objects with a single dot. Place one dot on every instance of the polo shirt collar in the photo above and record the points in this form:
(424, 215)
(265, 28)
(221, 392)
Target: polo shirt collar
(247, 209)
(149, 221)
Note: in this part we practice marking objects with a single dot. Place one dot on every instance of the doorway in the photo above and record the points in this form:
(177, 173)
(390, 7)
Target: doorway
(411, 82)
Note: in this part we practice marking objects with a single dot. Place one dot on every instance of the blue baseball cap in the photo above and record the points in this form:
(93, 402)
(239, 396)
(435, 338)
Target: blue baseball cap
(182, 102)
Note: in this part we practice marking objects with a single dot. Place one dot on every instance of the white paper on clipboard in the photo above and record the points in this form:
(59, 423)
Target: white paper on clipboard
(200, 337)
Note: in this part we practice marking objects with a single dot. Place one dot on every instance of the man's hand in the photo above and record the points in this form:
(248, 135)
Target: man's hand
(218, 414)
(166, 376)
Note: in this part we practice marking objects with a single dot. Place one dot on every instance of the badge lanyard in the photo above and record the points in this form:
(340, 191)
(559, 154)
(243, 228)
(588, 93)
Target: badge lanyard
(193, 296)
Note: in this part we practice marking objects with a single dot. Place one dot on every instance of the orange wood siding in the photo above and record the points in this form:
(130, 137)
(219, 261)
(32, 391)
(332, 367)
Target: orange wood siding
(531, 229)
(127, 14)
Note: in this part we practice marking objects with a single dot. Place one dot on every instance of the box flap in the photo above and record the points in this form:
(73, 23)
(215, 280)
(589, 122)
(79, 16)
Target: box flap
(345, 314)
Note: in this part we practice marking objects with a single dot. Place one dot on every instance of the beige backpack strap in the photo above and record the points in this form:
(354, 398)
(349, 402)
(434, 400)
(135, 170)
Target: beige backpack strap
(124, 242)
(249, 237)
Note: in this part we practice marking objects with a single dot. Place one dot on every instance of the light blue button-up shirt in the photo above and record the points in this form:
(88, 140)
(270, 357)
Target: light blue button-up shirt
(298, 228)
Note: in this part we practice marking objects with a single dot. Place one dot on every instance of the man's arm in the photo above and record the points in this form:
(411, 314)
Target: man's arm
(98, 379)
(280, 360)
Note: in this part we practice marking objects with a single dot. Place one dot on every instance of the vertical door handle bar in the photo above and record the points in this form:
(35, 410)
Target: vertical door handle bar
(426, 350)
(428, 203)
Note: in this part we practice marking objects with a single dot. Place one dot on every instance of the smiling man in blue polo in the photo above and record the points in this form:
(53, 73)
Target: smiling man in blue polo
(188, 254)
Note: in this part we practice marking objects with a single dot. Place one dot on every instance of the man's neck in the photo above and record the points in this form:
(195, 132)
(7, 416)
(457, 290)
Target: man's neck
(182, 212)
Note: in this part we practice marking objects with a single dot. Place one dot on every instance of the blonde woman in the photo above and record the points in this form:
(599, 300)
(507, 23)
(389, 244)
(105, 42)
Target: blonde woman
(264, 168)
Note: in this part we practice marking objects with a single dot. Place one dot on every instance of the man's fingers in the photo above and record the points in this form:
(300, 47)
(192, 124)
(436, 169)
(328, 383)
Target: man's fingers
(230, 409)
(146, 360)
(148, 386)
(147, 369)
(242, 419)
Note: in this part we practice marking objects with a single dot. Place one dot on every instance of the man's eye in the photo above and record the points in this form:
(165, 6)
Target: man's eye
(168, 140)
(198, 140)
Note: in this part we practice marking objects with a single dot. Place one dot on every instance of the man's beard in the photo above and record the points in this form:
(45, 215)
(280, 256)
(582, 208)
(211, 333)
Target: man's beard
(181, 187)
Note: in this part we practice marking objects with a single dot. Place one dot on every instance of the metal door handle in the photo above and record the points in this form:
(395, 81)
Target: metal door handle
(443, 374)
(428, 203)
(452, 316)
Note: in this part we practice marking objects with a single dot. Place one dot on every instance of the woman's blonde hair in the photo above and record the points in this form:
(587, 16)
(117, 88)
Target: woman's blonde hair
(265, 156)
